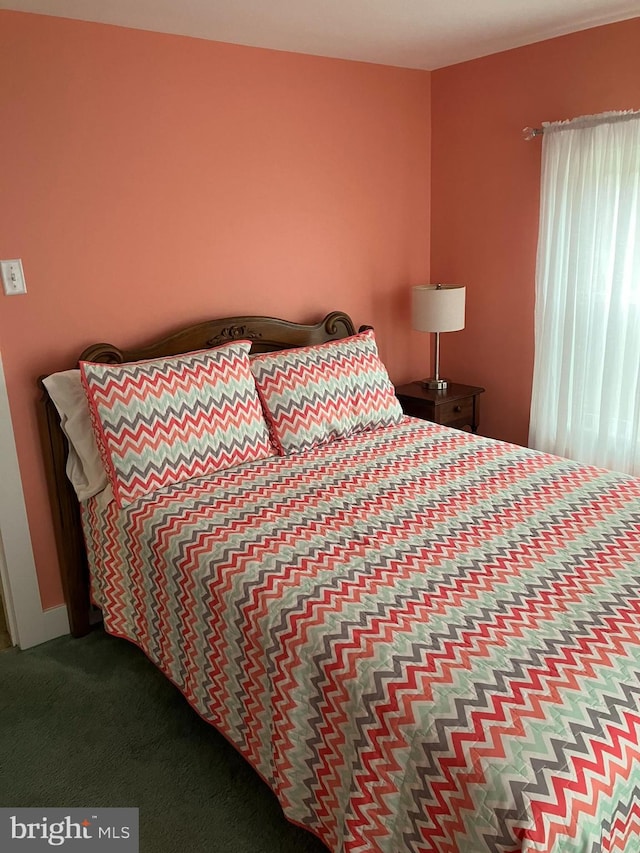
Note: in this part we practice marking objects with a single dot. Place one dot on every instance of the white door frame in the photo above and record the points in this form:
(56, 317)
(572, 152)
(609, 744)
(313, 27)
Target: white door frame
(28, 623)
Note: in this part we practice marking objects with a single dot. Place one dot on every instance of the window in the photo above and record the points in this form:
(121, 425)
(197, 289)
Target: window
(586, 387)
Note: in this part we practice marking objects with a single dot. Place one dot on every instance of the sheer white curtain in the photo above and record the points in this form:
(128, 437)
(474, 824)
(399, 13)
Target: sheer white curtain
(586, 385)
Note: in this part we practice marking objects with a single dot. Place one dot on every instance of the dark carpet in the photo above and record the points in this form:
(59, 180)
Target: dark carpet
(92, 722)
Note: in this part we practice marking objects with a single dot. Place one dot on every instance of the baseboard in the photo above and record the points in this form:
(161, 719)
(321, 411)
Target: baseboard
(53, 623)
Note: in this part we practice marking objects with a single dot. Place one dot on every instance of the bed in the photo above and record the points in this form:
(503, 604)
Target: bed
(423, 640)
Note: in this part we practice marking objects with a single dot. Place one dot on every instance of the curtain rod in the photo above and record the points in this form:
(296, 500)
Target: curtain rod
(530, 133)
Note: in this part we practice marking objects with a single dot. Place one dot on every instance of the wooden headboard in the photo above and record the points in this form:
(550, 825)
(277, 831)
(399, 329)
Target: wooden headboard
(265, 333)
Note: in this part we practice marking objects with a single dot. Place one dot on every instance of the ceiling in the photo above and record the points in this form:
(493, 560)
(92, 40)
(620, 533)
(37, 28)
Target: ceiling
(423, 34)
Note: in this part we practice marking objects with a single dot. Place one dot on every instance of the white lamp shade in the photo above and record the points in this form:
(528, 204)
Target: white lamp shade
(438, 308)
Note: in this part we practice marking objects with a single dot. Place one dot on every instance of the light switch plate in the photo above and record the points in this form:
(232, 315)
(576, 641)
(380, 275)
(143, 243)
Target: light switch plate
(13, 277)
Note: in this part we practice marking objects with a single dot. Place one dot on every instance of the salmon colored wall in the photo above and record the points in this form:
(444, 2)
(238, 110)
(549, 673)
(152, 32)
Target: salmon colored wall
(150, 181)
(486, 192)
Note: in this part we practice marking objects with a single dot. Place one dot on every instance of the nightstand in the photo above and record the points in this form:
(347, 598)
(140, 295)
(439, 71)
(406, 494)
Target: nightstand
(456, 406)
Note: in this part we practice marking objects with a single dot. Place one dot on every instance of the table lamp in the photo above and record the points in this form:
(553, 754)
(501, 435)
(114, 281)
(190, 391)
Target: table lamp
(438, 308)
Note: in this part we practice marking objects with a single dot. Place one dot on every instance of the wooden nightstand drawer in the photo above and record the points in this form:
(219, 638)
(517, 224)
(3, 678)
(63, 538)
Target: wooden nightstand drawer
(455, 412)
(455, 406)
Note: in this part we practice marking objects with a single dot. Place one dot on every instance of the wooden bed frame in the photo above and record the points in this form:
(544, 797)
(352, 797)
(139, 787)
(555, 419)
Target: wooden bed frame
(266, 333)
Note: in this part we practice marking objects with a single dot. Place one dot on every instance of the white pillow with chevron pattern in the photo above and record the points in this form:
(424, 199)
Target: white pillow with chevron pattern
(313, 395)
(168, 420)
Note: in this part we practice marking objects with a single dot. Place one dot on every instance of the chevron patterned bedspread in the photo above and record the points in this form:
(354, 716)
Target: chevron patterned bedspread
(422, 640)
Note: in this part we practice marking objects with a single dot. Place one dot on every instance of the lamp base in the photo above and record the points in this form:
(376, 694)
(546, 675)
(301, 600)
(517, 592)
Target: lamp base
(435, 384)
